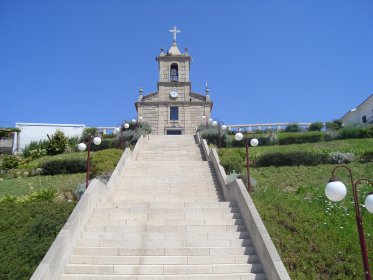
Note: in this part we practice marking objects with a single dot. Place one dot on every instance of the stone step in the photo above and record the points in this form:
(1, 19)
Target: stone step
(177, 251)
(172, 186)
(161, 269)
(166, 260)
(202, 235)
(215, 276)
(141, 229)
(165, 211)
(134, 204)
(167, 215)
(164, 199)
(172, 222)
(110, 239)
(166, 190)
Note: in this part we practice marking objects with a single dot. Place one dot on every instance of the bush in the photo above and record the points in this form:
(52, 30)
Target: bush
(356, 131)
(293, 158)
(232, 162)
(316, 126)
(65, 166)
(10, 162)
(300, 138)
(106, 143)
(334, 125)
(35, 145)
(292, 128)
(367, 157)
(88, 133)
(57, 144)
(105, 161)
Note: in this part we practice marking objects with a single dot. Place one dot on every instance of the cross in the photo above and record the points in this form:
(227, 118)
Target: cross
(175, 31)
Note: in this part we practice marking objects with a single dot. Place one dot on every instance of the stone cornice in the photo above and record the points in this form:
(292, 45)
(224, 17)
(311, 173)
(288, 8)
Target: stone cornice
(174, 84)
(174, 57)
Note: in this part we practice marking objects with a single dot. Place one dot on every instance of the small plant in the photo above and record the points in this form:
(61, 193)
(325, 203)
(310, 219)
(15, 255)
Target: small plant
(34, 145)
(57, 144)
(334, 125)
(9, 198)
(47, 195)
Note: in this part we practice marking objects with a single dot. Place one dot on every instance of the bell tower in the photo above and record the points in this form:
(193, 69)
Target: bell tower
(174, 108)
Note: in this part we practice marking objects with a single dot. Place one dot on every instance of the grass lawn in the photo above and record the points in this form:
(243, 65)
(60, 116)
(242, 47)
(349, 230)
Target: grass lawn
(26, 185)
(316, 239)
(26, 233)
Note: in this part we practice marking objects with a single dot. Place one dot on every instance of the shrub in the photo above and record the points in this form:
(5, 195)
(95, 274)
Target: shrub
(367, 157)
(65, 166)
(57, 144)
(232, 162)
(211, 136)
(300, 138)
(316, 126)
(355, 131)
(105, 161)
(35, 145)
(334, 125)
(106, 143)
(292, 128)
(88, 133)
(10, 162)
(293, 158)
(146, 128)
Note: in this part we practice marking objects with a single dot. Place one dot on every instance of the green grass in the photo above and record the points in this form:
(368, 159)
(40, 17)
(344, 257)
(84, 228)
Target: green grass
(26, 185)
(316, 239)
(26, 233)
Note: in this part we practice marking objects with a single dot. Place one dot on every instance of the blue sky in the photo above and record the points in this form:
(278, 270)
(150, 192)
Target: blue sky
(266, 61)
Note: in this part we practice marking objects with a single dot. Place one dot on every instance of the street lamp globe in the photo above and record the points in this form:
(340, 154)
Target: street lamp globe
(203, 118)
(335, 191)
(210, 120)
(126, 125)
(223, 127)
(97, 140)
(133, 121)
(369, 203)
(238, 136)
(82, 147)
(254, 142)
(214, 123)
(116, 130)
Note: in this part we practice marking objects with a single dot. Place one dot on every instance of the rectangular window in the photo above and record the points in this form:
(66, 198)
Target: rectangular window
(174, 113)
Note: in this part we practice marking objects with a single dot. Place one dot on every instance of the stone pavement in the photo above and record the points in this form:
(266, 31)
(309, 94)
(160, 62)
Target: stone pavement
(167, 219)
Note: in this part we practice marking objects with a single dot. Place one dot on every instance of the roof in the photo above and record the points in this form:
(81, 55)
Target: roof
(174, 50)
(354, 109)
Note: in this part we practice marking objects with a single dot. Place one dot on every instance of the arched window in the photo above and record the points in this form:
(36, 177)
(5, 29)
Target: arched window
(174, 72)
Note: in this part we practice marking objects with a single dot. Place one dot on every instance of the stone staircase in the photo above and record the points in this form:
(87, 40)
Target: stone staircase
(166, 220)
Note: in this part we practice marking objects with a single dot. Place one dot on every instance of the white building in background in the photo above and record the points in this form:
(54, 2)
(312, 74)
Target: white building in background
(40, 131)
(362, 114)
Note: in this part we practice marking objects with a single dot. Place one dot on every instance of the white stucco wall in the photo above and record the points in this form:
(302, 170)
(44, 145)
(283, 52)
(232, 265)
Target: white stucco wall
(38, 131)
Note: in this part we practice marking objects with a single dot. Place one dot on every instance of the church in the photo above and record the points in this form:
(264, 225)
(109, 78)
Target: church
(174, 109)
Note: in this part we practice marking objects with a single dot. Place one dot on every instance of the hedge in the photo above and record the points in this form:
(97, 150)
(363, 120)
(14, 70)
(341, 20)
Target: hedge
(293, 158)
(65, 166)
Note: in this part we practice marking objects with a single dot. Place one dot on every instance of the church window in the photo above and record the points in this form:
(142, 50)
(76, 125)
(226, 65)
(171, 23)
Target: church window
(174, 113)
(174, 72)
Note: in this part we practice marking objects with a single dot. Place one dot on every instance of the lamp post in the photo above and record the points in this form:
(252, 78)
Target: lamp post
(121, 129)
(253, 142)
(336, 191)
(87, 145)
(221, 126)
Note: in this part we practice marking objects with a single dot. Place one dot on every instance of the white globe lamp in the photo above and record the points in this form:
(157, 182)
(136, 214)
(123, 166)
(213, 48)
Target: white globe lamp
(116, 130)
(369, 203)
(126, 125)
(223, 127)
(82, 147)
(97, 140)
(238, 136)
(214, 123)
(335, 191)
(133, 121)
(254, 142)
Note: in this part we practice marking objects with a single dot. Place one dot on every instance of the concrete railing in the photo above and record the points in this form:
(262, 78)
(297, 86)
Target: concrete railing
(236, 192)
(53, 263)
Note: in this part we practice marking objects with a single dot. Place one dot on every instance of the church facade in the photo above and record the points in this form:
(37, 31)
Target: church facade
(174, 109)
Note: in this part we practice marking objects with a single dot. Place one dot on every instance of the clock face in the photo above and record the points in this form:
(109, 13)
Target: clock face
(174, 93)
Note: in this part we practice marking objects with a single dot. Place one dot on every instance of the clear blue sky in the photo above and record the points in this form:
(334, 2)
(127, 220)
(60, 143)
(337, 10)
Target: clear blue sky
(266, 61)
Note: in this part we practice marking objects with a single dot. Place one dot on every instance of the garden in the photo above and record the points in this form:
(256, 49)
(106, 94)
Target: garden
(316, 238)
(40, 188)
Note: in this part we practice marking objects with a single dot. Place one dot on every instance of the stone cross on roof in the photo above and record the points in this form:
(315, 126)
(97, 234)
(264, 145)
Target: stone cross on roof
(175, 31)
